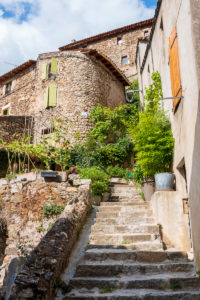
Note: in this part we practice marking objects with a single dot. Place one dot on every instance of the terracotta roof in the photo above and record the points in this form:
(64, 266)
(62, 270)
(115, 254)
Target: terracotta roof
(106, 34)
(108, 63)
(17, 70)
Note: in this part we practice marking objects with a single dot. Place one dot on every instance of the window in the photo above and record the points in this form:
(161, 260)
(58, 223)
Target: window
(50, 70)
(124, 60)
(6, 110)
(119, 40)
(146, 33)
(174, 68)
(161, 24)
(8, 88)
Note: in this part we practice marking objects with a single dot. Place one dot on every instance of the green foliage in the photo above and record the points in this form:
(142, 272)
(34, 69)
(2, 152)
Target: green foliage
(108, 289)
(117, 171)
(152, 136)
(198, 272)
(52, 210)
(40, 229)
(135, 86)
(175, 284)
(138, 174)
(100, 180)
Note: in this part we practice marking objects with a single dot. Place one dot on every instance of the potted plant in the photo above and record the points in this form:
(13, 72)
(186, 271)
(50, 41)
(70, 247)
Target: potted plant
(153, 139)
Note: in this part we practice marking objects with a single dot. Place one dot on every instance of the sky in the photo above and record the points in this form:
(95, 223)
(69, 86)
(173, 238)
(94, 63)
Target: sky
(30, 27)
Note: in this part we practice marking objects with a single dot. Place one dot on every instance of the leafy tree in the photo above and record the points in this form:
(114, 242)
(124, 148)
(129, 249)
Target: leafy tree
(152, 136)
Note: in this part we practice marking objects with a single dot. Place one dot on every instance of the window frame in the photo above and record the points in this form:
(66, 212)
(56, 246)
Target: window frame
(8, 91)
(122, 60)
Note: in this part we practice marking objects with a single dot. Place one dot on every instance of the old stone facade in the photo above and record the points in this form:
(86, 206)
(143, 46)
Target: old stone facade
(80, 81)
(119, 45)
(177, 23)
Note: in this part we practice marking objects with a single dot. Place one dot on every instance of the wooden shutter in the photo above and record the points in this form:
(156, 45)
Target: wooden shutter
(174, 67)
(44, 71)
(54, 64)
(52, 94)
(47, 97)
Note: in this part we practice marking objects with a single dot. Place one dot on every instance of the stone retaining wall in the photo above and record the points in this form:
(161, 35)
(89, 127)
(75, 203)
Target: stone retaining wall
(21, 206)
(38, 277)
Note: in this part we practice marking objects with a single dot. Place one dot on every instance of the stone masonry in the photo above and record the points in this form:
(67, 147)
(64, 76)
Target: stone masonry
(116, 44)
(22, 221)
(125, 258)
(81, 82)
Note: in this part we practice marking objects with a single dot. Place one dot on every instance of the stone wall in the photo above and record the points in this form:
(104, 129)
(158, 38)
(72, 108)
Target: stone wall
(127, 47)
(22, 97)
(14, 127)
(82, 82)
(168, 210)
(41, 271)
(21, 207)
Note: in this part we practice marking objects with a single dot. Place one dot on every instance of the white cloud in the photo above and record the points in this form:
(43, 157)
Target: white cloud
(56, 23)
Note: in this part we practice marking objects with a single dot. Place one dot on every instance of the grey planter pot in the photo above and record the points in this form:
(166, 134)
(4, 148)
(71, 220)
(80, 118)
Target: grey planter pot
(164, 181)
(148, 188)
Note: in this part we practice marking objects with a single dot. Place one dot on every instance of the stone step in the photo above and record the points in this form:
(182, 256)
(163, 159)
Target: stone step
(96, 269)
(125, 203)
(115, 239)
(133, 295)
(126, 209)
(117, 214)
(143, 282)
(98, 228)
(125, 220)
(142, 246)
(99, 254)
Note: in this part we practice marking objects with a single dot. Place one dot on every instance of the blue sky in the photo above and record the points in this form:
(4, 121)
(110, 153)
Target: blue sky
(30, 27)
(150, 3)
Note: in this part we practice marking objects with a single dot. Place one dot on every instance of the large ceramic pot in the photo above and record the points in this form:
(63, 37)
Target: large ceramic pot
(164, 181)
(148, 187)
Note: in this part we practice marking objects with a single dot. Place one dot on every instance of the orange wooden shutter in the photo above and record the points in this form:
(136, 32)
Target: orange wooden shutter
(174, 67)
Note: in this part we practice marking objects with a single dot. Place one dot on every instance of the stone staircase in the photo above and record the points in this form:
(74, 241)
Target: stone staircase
(125, 258)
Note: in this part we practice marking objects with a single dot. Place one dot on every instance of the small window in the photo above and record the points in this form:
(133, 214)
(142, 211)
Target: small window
(8, 88)
(146, 33)
(50, 75)
(124, 60)
(6, 112)
(119, 40)
(161, 24)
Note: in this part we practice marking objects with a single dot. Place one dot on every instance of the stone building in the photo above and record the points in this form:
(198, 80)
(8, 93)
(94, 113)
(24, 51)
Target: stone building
(174, 50)
(63, 84)
(119, 45)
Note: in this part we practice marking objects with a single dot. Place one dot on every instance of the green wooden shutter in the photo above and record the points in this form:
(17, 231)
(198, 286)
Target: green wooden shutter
(47, 97)
(44, 71)
(52, 94)
(54, 64)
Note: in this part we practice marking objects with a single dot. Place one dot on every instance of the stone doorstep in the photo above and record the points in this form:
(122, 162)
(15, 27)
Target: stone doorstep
(125, 208)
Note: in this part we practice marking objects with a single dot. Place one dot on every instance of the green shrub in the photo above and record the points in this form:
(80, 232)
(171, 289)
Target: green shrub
(52, 210)
(100, 180)
(152, 136)
(117, 171)
(138, 174)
